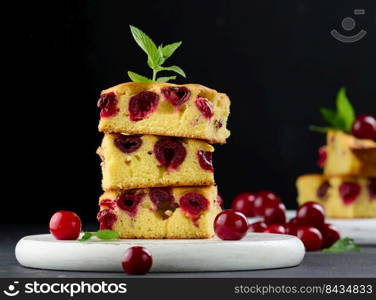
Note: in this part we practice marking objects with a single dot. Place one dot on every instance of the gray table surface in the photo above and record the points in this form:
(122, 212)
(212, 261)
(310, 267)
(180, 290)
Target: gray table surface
(315, 264)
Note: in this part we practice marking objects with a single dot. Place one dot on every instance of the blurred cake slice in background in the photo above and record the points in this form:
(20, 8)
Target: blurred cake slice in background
(341, 196)
(348, 155)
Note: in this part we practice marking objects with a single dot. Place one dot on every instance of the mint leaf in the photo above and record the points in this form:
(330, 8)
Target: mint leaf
(319, 129)
(168, 50)
(106, 234)
(342, 245)
(86, 236)
(345, 110)
(156, 57)
(340, 119)
(146, 44)
(175, 69)
(329, 115)
(166, 79)
(138, 78)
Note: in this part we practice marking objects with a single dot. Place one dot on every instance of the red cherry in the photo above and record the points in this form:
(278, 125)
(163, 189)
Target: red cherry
(230, 225)
(137, 261)
(349, 192)
(292, 226)
(65, 225)
(310, 214)
(364, 127)
(311, 238)
(263, 199)
(291, 229)
(205, 107)
(244, 203)
(257, 227)
(323, 190)
(275, 228)
(330, 235)
(220, 200)
(322, 156)
(275, 214)
(293, 221)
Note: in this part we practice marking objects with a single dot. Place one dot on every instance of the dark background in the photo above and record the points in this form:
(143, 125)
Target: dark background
(275, 59)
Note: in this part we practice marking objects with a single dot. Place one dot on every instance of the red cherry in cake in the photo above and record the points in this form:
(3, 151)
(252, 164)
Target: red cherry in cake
(275, 214)
(193, 204)
(230, 225)
(142, 105)
(218, 124)
(349, 191)
(128, 143)
(330, 235)
(137, 261)
(264, 199)
(108, 105)
(65, 225)
(372, 188)
(129, 202)
(205, 159)
(219, 200)
(311, 238)
(322, 190)
(161, 196)
(364, 127)
(170, 153)
(106, 219)
(244, 203)
(310, 214)
(275, 228)
(163, 200)
(205, 107)
(257, 227)
(176, 95)
(322, 157)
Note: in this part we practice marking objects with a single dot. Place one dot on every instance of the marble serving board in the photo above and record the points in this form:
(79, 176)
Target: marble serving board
(256, 251)
(363, 231)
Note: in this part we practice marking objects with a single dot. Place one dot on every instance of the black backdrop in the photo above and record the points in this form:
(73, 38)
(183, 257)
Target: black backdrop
(275, 59)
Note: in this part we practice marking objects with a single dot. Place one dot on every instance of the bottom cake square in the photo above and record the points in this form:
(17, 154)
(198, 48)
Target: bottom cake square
(341, 196)
(155, 213)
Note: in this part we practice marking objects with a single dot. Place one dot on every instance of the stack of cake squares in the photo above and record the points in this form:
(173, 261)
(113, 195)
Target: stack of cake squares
(347, 189)
(158, 176)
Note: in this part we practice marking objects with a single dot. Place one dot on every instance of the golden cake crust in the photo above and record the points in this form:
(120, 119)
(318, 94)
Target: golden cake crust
(349, 156)
(141, 169)
(167, 120)
(148, 221)
(364, 206)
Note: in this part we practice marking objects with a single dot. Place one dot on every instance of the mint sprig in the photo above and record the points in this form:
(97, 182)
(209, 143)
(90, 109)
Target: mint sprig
(104, 234)
(340, 119)
(156, 57)
(342, 245)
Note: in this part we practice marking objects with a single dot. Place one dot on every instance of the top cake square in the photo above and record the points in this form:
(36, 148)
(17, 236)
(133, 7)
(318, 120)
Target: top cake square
(158, 108)
(347, 155)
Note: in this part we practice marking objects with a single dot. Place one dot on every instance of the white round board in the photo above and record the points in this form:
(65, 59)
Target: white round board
(255, 251)
(361, 230)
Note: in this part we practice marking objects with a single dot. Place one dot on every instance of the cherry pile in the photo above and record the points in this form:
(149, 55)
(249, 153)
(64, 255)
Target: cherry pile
(308, 224)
